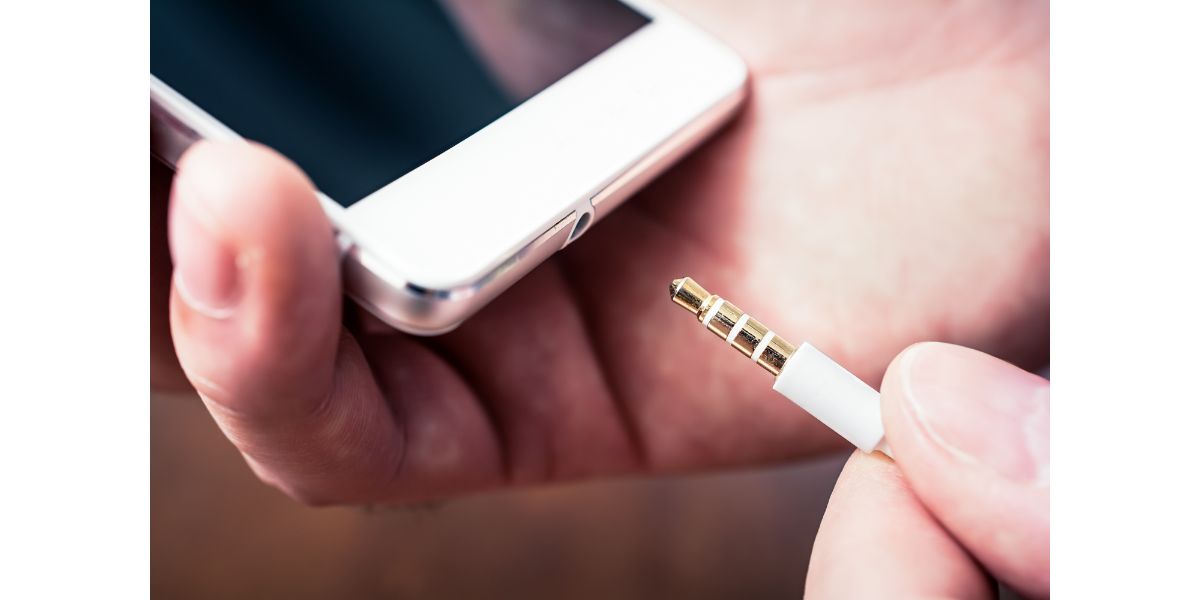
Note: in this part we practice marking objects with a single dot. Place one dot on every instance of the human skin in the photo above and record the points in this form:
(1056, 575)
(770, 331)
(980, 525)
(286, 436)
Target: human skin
(886, 183)
(968, 497)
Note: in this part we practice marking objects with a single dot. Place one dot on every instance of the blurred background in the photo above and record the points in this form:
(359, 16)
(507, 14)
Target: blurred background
(217, 532)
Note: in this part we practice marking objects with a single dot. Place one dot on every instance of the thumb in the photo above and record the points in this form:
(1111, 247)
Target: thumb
(971, 433)
(255, 307)
(256, 322)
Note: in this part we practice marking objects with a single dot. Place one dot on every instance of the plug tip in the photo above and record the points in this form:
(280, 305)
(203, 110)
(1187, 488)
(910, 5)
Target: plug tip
(688, 294)
(675, 285)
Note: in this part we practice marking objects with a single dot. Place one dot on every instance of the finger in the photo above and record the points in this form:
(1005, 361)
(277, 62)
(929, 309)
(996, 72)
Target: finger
(165, 374)
(877, 541)
(971, 433)
(255, 316)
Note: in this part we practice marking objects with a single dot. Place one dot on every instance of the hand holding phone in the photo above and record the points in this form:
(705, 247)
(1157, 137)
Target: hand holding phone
(904, 181)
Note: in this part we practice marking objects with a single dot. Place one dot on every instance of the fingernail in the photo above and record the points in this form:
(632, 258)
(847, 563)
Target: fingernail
(206, 273)
(981, 410)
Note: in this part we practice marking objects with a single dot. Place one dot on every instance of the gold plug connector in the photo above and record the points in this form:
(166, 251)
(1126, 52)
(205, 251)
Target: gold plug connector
(737, 328)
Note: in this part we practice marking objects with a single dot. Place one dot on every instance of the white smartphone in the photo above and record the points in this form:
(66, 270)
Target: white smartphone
(456, 144)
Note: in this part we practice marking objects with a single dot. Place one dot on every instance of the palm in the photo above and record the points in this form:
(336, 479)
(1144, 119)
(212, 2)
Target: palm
(887, 183)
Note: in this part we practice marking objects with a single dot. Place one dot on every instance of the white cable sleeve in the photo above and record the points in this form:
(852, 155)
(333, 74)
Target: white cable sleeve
(834, 396)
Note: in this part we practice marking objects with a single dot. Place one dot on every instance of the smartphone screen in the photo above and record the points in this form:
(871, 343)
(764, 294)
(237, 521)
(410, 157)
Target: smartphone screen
(360, 92)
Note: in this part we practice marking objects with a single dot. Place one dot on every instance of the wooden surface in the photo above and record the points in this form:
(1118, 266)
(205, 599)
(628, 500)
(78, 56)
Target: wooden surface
(218, 532)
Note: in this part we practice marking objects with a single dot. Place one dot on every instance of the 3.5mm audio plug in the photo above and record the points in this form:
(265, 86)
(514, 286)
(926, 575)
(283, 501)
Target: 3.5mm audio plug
(804, 375)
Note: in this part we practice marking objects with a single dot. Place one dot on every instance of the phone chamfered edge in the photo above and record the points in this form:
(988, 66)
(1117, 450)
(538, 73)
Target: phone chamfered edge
(424, 311)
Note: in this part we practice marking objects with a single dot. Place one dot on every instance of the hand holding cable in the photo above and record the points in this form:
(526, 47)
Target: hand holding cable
(968, 496)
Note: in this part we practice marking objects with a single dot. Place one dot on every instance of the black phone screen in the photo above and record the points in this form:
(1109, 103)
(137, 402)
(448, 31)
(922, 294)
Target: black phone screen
(360, 92)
